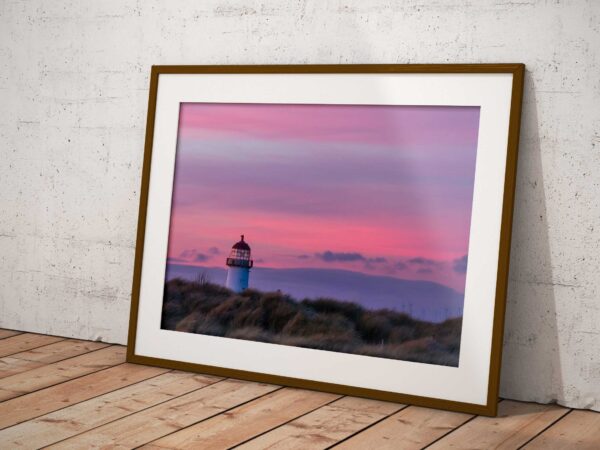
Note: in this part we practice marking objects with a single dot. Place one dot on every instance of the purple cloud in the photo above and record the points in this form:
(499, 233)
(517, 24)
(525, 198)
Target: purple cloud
(377, 260)
(191, 255)
(188, 254)
(459, 265)
(401, 265)
(174, 260)
(329, 256)
(425, 262)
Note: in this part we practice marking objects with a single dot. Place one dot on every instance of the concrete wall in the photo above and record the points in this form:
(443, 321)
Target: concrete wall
(73, 96)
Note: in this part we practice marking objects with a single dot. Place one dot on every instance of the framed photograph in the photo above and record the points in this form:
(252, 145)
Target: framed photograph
(334, 227)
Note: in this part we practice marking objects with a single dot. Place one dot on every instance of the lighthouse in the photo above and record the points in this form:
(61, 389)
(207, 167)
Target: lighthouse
(238, 266)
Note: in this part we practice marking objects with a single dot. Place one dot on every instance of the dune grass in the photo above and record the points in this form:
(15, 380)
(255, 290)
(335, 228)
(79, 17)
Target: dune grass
(325, 324)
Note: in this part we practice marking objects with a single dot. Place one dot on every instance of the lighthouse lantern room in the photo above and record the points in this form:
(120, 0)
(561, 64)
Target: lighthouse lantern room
(238, 266)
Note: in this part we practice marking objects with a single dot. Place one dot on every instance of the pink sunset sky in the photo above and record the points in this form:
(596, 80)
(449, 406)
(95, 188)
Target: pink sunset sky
(383, 190)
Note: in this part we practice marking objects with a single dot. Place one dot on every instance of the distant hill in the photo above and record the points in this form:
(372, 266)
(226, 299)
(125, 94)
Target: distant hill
(322, 323)
(423, 300)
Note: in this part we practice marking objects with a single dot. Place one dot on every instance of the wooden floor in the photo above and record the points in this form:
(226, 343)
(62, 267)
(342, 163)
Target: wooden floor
(65, 393)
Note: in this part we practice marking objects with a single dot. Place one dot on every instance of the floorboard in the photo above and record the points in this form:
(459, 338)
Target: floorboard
(8, 333)
(325, 426)
(47, 354)
(56, 397)
(516, 424)
(245, 422)
(81, 417)
(148, 425)
(411, 428)
(59, 372)
(70, 394)
(579, 430)
(24, 341)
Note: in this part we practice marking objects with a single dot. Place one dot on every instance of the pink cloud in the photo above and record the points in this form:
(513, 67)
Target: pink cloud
(332, 123)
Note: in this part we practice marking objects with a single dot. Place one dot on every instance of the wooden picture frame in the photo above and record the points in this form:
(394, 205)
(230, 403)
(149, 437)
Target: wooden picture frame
(501, 86)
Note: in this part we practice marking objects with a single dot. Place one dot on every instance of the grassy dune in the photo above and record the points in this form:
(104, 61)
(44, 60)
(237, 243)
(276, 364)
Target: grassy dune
(324, 324)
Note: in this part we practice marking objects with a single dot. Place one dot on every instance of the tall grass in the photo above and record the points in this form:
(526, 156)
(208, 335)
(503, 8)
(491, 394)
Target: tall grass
(324, 323)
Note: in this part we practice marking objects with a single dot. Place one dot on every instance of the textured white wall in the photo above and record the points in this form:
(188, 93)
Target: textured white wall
(73, 97)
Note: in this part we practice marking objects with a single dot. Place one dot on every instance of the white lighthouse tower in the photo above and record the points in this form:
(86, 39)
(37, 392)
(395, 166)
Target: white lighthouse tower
(239, 265)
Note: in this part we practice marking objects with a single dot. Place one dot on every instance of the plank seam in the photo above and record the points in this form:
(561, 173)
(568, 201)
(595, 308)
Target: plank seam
(68, 406)
(213, 415)
(32, 348)
(12, 355)
(460, 426)
(546, 428)
(366, 428)
(132, 413)
(58, 342)
(65, 381)
(286, 422)
(16, 333)
(451, 431)
(53, 362)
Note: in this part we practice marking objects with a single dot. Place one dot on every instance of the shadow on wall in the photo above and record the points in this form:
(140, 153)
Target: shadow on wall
(531, 364)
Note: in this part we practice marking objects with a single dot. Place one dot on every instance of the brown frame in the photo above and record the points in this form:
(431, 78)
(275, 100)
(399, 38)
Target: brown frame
(490, 409)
